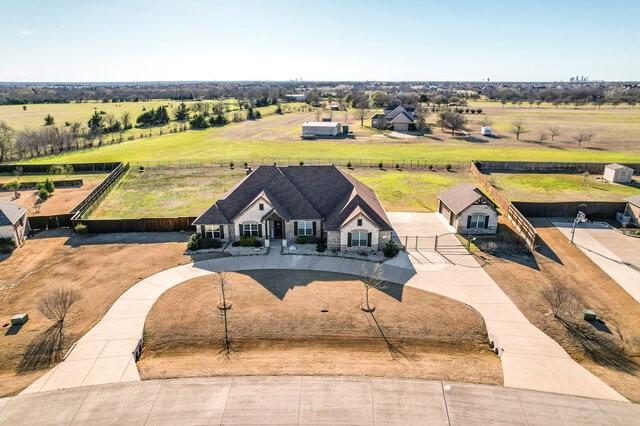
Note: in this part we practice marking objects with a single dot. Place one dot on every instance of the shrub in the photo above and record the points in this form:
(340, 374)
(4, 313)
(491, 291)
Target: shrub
(306, 239)
(390, 249)
(43, 194)
(321, 246)
(430, 166)
(348, 164)
(193, 242)
(81, 228)
(448, 167)
(210, 243)
(301, 163)
(235, 244)
(231, 165)
(380, 165)
(7, 245)
(479, 110)
(397, 166)
(248, 241)
(258, 243)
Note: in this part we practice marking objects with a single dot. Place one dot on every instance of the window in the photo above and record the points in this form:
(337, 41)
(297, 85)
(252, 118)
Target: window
(476, 221)
(251, 229)
(359, 239)
(211, 231)
(305, 227)
(261, 206)
(359, 222)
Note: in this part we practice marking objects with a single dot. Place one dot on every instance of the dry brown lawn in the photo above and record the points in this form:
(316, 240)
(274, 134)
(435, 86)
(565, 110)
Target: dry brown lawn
(302, 322)
(524, 282)
(102, 267)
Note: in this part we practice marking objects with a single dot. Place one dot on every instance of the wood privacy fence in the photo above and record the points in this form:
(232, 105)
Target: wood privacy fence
(152, 224)
(50, 222)
(67, 183)
(517, 219)
(593, 209)
(44, 168)
(547, 167)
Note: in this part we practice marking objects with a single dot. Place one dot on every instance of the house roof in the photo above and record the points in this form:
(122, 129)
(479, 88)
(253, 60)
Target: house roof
(378, 115)
(616, 166)
(458, 198)
(10, 213)
(300, 192)
(635, 200)
(398, 118)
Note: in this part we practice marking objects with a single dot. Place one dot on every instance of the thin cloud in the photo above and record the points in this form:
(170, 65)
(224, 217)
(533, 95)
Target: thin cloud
(25, 32)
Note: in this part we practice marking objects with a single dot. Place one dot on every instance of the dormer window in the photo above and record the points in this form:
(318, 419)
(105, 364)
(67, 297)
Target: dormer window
(359, 222)
(261, 206)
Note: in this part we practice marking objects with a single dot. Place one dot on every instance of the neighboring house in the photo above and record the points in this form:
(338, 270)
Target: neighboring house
(468, 210)
(398, 116)
(13, 222)
(295, 97)
(633, 209)
(617, 173)
(274, 202)
(314, 129)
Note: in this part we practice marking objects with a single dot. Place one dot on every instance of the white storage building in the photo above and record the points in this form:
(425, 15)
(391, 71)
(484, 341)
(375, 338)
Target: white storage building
(320, 128)
(617, 173)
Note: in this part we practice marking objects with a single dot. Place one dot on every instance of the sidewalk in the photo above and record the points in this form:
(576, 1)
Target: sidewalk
(309, 400)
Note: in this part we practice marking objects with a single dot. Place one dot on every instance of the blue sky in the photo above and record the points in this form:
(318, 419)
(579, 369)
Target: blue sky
(118, 40)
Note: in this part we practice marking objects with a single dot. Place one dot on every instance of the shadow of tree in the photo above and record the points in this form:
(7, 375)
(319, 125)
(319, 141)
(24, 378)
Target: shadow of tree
(395, 350)
(600, 347)
(43, 350)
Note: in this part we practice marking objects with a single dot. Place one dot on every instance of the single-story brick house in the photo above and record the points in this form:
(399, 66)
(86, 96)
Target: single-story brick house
(468, 210)
(13, 222)
(276, 202)
(399, 116)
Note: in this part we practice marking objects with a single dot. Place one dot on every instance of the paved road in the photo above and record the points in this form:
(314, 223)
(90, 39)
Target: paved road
(309, 400)
(530, 358)
(616, 254)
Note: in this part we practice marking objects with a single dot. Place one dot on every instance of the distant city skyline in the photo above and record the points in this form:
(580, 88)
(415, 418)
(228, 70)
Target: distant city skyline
(196, 40)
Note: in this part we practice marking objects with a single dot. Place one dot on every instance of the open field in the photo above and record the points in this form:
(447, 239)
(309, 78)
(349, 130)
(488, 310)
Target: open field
(61, 201)
(524, 279)
(314, 318)
(188, 190)
(102, 267)
(547, 187)
(613, 128)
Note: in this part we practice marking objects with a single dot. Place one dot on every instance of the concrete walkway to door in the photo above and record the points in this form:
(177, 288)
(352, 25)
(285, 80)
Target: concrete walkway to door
(530, 359)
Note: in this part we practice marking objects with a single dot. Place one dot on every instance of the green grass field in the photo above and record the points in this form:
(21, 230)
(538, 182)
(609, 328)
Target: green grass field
(187, 191)
(547, 187)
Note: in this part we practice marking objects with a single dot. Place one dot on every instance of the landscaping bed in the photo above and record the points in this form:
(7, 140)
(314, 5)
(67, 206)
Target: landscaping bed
(311, 250)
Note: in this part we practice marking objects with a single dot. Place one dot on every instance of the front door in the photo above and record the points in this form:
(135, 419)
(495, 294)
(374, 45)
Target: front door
(277, 229)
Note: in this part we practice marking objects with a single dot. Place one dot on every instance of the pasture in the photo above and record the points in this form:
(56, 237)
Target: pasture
(614, 128)
(170, 191)
(549, 187)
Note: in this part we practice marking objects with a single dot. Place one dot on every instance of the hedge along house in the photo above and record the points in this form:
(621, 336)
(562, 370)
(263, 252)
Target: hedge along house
(468, 210)
(274, 202)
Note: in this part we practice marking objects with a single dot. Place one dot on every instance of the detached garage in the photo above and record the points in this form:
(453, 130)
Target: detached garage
(617, 173)
(468, 210)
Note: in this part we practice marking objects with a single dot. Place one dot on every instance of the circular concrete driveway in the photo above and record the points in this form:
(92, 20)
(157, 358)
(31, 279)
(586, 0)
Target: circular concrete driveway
(530, 358)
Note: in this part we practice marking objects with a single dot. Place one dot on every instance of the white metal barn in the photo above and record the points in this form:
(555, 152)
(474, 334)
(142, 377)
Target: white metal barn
(617, 173)
(320, 128)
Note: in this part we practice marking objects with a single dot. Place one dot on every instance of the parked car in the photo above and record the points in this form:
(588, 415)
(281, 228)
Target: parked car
(486, 131)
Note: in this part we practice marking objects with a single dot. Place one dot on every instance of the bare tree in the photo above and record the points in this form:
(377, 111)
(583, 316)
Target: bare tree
(518, 127)
(371, 277)
(542, 136)
(125, 119)
(223, 279)
(485, 121)
(581, 137)
(452, 120)
(554, 132)
(6, 140)
(562, 299)
(55, 305)
(590, 135)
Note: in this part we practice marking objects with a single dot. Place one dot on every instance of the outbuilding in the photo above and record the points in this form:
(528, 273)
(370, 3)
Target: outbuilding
(13, 222)
(312, 129)
(617, 173)
(468, 210)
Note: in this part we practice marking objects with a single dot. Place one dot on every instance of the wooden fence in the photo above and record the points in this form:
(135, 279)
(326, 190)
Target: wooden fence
(49, 222)
(546, 167)
(152, 224)
(517, 219)
(99, 192)
(593, 209)
(44, 168)
(67, 183)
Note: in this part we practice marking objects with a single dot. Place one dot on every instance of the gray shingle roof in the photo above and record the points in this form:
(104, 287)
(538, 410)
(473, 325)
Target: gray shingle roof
(458, 198)
(616, 166)
(300, 192)
(10, 213)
